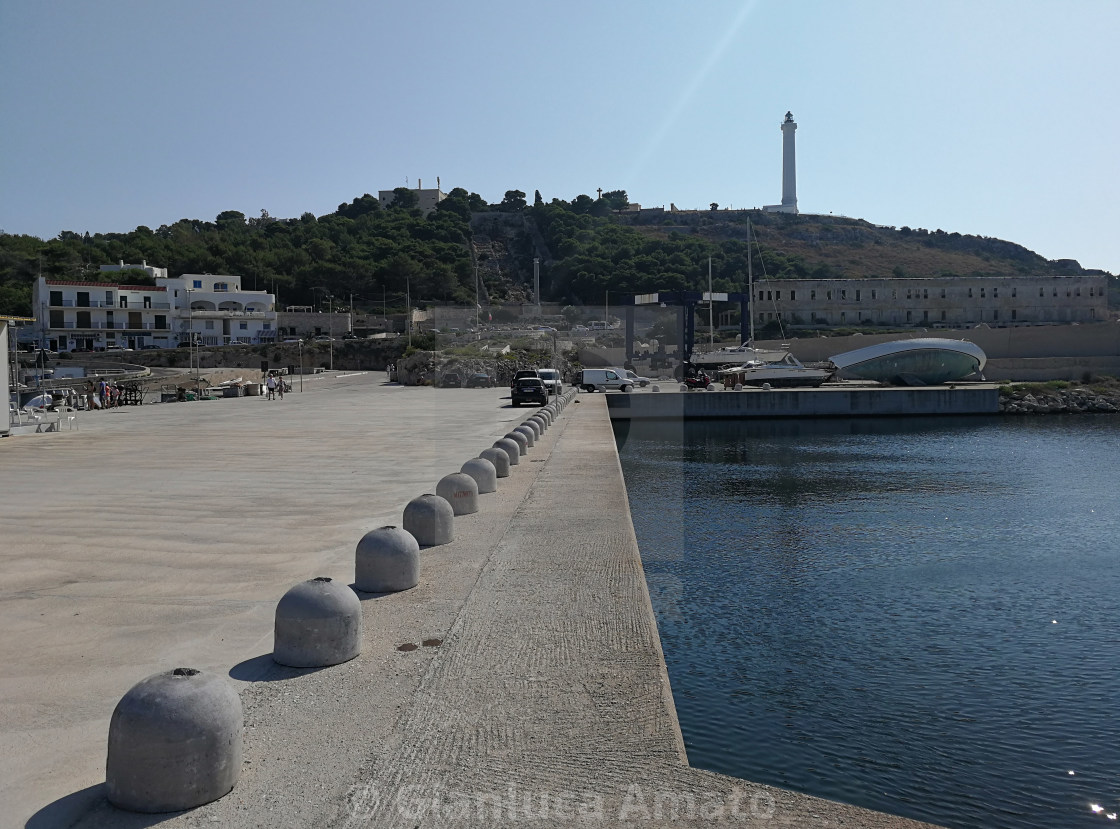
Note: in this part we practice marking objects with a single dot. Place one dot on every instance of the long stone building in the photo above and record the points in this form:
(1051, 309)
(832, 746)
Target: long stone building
(937, 302)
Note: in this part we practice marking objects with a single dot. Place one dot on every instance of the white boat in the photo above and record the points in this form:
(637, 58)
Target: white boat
(737, 355)
(784, 373)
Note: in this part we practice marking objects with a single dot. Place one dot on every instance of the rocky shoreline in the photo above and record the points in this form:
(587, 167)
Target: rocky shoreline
(1060, 398)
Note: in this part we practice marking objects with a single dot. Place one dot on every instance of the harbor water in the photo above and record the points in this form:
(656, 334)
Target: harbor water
(919, 616)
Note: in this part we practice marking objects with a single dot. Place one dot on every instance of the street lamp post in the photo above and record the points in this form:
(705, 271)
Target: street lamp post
(301, 366)
(330, 327)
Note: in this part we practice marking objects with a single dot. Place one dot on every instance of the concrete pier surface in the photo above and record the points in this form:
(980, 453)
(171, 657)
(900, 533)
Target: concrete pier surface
(523, 672)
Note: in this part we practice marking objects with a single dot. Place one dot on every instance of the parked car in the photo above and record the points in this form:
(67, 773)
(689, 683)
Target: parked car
(551, 379)
(528, 372)
(451, 380)
(604, 379)
(529, 390)
(638, 381)
(480, 381)
(322, 338)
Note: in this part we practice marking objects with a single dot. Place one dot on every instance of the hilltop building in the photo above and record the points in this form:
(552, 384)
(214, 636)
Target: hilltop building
(789, 170)
(105, 315)
(427, 199)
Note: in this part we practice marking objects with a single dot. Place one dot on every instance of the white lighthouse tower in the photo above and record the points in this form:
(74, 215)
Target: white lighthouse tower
(789, 169)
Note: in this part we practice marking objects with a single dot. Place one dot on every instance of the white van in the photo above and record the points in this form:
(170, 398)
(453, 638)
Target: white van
(551, 378)
(605, 379)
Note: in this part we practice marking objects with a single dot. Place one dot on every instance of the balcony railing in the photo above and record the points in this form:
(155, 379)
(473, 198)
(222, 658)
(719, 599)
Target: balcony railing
(112, 326)
(151, 306)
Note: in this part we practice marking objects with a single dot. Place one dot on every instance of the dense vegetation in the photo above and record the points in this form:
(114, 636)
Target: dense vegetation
(587, 248)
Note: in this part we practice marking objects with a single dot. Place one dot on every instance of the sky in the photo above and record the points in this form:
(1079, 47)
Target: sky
(990, 117)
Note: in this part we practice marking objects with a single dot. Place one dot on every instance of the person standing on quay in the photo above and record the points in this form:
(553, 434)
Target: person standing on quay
(270, 384)
(280, 387)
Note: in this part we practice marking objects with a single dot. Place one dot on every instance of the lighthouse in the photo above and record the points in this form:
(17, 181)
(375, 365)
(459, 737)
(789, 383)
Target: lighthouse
(789, 169)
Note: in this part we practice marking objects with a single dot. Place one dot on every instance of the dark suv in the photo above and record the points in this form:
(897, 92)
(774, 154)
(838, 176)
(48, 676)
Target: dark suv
(529, 390)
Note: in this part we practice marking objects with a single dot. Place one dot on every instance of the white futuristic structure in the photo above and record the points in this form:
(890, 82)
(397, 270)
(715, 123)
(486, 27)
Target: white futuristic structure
(789, 170)
(925, 361)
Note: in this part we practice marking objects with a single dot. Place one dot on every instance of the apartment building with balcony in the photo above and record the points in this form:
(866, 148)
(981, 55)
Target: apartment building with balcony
(217, 311)
(73, 315)
(938, 302)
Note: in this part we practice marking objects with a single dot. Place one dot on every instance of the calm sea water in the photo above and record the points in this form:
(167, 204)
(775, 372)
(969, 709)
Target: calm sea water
(916, 616)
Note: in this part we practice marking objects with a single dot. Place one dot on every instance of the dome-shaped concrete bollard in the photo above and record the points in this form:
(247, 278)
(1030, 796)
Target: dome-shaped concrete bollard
(738, 387)
(318, 623)
(549, 415)
(521, 440)
(542, 420)
(460, 490)
(500, 459)
(710, 387)
(528, 431)
(655, 387)
(174, 742)
(430, 519)
(387, 560)
(535, 425)
(512, 449)
(684, 387)
(485, 474)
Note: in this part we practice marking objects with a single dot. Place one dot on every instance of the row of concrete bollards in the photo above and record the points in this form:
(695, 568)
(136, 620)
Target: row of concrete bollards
(175, 739)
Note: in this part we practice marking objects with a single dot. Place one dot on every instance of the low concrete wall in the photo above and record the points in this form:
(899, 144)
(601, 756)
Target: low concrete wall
(836, 402)
(1040, 369)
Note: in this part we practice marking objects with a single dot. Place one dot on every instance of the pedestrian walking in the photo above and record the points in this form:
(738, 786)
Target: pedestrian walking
(270, 384)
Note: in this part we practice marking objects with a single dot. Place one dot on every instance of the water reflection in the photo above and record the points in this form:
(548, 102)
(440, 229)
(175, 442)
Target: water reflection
(865, 609)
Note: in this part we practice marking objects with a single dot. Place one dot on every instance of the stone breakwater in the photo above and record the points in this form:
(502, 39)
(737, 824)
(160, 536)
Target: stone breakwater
(1046, 399)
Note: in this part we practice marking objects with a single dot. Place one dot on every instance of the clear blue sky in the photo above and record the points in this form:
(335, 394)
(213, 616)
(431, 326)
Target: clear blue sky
(997, 117)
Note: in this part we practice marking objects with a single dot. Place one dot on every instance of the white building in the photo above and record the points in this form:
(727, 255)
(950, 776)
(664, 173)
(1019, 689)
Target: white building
(218, 312)
(426, 199)
(106, 315)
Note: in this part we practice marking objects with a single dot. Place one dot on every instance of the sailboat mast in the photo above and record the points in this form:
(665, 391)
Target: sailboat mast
(711, 328)
(750, 282)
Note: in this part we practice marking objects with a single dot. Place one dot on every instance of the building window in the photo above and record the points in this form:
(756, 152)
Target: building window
(995, 293)
(268, 326)
(56, 297)
(828, 295)
(244, 326)
(1067, 293)
(161, 321)
(812, 294)
(761, 296)
(1042, 292)
(844, 293)
(147, 302)
(792, 296)
(770, 295)
(777, 294)
(221, 286)
(970, 293)
(995, 315)
(943, 293)
(109, 299)
(857, 296)
(843, 316)
(909, 315)
(198, 283)
(1014, 291)
(908, 292)
(1079, 290)
(124, 302)
(1055, 290)
(894, 293)
(925, 316)
(925, 293)
(874, 294)
(983, 293)
(1014, 314)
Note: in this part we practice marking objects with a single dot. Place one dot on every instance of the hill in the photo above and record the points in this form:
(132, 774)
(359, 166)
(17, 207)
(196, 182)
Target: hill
(586, 248)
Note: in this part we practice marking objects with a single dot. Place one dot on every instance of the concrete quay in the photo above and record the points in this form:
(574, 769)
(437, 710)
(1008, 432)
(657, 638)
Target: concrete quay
(524, 671)
(839, 400)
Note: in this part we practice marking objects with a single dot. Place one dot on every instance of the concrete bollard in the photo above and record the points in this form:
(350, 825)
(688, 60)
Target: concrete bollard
(738, 387)
(318, 623)
(542, 420)
(710, 387)
(485, 474)
(512, 449)
(500, 459)
(459, 490)
(387, 560)
(684, 387)
(536, 426)
(528, 432)
(430, 519)
(174, 742)
(522, 442)
(655, 387)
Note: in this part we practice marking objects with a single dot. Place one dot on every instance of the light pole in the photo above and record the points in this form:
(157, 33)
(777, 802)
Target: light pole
(300, 367)
(190, 334)
(330, 327)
